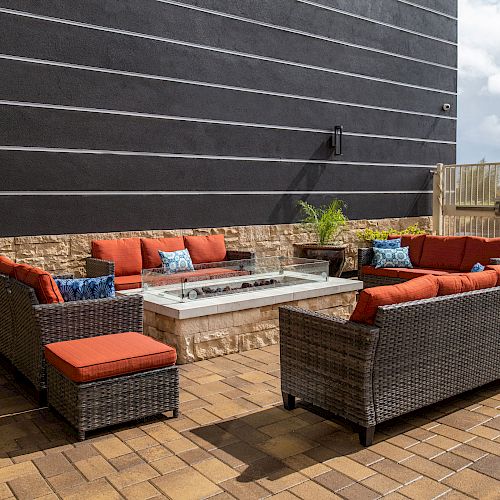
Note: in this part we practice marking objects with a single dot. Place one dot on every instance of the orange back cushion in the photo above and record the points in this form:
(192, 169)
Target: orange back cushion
(460, 283)
(41, 281)
(370, 299)
(151, 246)
(7, 266)
(443, 252)
(125, 253)
(203, 249)
(479, 250)
(415, 242)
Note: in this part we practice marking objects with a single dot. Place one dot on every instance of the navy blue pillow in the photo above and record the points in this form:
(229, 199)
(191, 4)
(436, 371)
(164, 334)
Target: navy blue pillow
(395, 243)
(86, 288)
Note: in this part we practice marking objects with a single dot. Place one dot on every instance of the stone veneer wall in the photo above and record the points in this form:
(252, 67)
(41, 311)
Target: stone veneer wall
(214, 335)
(67, 253)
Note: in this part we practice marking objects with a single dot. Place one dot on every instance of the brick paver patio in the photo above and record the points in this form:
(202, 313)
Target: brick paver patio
(234, 440)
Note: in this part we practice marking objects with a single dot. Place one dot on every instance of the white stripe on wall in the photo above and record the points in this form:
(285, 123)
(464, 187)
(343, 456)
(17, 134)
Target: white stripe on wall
(208, 121)
(207, 47)
(38, 149)
(194, 193)
(305, 33)
(45, 62)
(374, 21)
(434, 11)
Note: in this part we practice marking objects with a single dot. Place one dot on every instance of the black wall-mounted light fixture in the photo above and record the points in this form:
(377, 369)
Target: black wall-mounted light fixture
(337, 140)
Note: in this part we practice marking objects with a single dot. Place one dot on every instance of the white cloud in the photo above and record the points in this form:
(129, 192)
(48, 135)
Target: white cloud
(479, 80)
(494, 84)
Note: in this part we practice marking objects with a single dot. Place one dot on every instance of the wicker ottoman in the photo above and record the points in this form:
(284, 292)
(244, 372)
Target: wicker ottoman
(110, 379)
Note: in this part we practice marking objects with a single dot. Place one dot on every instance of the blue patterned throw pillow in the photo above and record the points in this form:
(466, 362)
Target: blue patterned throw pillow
(395, 243)
(176, 262)
(391, 257)
(477, 267)
(86, 288)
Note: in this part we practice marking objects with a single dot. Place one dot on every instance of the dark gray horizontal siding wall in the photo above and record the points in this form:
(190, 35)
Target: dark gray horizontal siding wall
(119, 114)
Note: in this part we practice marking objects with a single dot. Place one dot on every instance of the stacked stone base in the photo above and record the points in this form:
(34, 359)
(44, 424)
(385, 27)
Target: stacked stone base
(216, 335)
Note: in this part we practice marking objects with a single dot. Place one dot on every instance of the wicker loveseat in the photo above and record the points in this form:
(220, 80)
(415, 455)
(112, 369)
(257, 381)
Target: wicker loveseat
(415, 354)
(435, 255)
(126, 258)
(26, 326)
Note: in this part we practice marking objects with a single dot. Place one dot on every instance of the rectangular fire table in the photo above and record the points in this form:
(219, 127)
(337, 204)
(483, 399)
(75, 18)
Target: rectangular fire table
(237, 308)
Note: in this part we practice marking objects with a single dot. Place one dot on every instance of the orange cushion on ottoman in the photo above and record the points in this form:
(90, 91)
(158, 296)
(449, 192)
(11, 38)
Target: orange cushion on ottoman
(95, 358)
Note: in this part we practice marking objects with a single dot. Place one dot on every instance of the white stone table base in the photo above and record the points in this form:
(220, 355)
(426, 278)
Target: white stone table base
(206, 328)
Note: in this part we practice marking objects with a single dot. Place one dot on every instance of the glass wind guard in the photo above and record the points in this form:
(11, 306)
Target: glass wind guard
(232, 277)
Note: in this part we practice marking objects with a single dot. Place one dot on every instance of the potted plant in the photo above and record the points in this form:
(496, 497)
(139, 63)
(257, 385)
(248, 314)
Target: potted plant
(327, 222)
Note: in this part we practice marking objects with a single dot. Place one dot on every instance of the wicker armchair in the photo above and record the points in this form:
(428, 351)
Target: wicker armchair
(28, 326)
(416, 354)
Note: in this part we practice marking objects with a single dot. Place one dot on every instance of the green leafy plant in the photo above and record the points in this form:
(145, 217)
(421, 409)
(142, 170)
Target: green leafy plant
(327, 220)
(369, 234)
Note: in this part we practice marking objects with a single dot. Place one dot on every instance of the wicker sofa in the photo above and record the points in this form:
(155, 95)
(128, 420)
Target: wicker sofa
(435, 255)
(126, 258)
(415, 354)
(26, 326)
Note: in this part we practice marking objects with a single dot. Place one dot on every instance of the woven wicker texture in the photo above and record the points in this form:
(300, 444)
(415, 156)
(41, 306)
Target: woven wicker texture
(6, 319)
(417, 354)
(35, 325)
(98, 267)
(328, 362)
(115, 400)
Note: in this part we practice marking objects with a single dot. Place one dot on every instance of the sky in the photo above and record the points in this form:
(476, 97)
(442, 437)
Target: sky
(478, 133)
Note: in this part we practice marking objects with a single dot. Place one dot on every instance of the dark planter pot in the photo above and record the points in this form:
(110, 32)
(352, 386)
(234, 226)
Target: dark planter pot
(335, 255)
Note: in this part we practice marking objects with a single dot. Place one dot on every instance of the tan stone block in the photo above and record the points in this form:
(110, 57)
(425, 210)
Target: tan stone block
(186, 484)
(30, 486)
(132, 475)
(112, 447)
(165, 324)
(220, 321)
(150, 318)
(14, 471)
(216, 347)
(96, 490)
(94, 467)
(259, 339)
(246, 317)
(212, 335)
(192, 325)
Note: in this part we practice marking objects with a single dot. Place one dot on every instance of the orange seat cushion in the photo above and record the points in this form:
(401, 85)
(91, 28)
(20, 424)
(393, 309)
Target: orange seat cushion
(151, 246)
(415, 243)
(479, 250)
(408, 274)
(128, 282)
(203, 249)
(495, 268)
(460, 283)
(371, 299)
(95, 358)
(41, 281)
(7, 266)
(443, 252)
(125, 253)
(389, 272)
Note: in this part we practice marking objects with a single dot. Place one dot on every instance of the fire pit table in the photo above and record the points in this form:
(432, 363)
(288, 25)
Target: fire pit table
(237, 310)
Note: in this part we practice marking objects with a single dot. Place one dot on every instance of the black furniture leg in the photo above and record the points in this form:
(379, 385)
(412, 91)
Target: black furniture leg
(288, 401)
(366, 435)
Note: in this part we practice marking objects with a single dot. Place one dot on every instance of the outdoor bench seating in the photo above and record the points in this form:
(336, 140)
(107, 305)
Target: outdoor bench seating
(406, 346)
(430, 255)
(101, 381)
(126, 258)
(33, 314)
